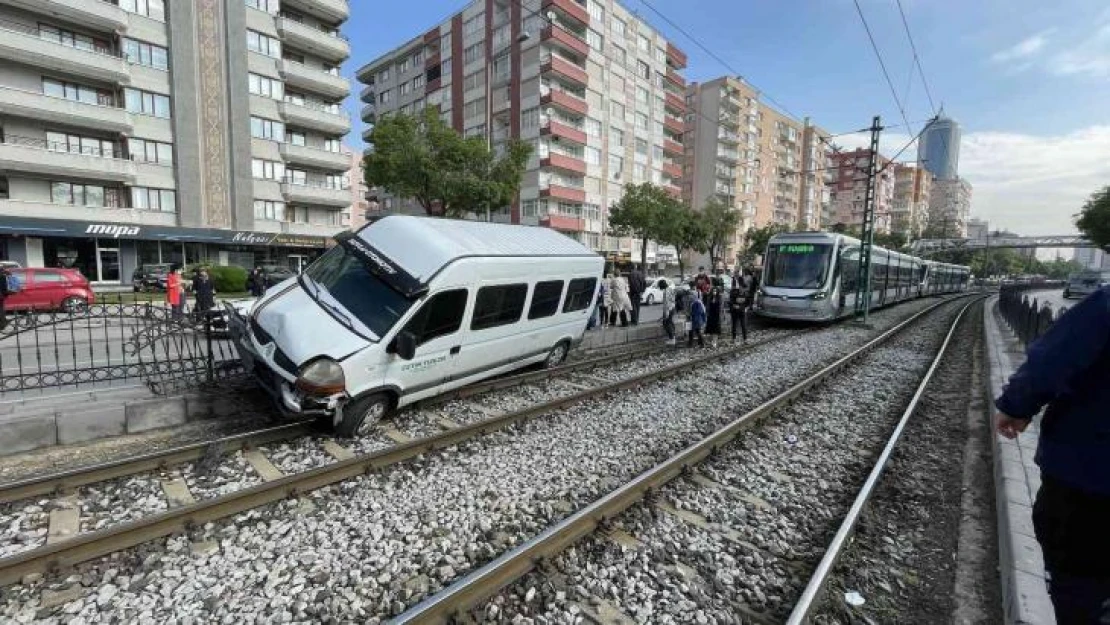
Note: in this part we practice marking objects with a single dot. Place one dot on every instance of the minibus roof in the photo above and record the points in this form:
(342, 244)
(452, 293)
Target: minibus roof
(422, 246)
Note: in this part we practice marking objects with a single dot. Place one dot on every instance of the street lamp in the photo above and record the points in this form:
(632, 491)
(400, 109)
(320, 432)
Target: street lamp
(522, 37)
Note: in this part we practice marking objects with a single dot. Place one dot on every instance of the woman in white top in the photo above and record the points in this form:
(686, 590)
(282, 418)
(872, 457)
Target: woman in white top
(621, 305)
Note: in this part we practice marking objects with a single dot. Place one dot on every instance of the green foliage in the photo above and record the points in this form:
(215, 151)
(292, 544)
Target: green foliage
(422, 157)
(681, 227)
(1093, 219)
(719, 222)
(757, 239)
(642, 213)
(226, 279)
(893, 241)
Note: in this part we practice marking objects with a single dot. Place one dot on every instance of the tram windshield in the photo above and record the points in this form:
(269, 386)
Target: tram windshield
(797, 265)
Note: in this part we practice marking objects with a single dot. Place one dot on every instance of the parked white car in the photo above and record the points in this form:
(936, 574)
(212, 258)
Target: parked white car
(654, 292)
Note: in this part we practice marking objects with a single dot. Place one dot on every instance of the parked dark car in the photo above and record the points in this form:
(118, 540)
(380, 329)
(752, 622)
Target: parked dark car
(150, 277)
(274, 274)
(50, 289)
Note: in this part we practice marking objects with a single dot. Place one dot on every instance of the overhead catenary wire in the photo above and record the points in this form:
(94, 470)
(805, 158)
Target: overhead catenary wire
(916, 57)
(882, 64)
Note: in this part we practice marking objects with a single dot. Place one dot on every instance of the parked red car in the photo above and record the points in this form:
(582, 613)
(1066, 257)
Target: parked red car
(50, 289)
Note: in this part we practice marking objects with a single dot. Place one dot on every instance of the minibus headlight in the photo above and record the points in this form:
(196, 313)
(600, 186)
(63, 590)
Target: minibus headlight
(322, 376)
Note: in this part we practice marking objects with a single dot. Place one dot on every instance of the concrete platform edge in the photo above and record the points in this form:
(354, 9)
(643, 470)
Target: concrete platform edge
(1025, 598)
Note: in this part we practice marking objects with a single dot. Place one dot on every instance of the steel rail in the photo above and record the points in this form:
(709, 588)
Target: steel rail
(65, 481)
(815, 589)
(87, 546)
(479, 585)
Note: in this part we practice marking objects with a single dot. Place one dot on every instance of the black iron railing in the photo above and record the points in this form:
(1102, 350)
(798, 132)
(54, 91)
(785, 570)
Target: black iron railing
(1027, 317)
(109, 342)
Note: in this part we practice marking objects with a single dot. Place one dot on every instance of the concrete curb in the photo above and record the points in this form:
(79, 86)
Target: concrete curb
(1016, 480)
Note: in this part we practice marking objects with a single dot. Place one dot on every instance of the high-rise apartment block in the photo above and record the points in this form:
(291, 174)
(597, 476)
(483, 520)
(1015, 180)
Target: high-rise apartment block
(595, 89)
(949, 207)
(145, 131)
(909, 210)
(763, 163)
(849, 188)
(938, 150)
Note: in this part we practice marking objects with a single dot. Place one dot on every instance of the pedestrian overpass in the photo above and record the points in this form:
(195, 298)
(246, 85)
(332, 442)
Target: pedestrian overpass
(924, 247)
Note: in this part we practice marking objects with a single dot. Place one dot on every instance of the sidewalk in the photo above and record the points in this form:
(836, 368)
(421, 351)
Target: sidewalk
(1016, 479)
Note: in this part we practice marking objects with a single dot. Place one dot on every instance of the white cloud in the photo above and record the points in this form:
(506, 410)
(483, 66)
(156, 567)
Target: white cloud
(1024, 50)
(1089, 57)
(1025, 183)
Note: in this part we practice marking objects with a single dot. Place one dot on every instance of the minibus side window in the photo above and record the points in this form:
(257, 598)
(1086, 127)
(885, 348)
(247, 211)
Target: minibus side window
(441, 315)
(498, 305)
(580, 294)
(545, 299)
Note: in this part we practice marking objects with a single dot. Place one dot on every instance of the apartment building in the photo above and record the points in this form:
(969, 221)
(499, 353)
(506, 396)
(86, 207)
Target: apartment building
(849, 187)
(596, 90)
(950, 207)
(145, 131)
(909, 211)
(360, 193)
(763, 163)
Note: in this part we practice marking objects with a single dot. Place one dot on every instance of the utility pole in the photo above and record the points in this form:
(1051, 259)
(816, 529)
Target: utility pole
(867, 234)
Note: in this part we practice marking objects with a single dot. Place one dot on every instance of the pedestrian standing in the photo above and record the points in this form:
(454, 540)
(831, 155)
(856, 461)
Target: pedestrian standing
(669, 305)
(702, 283)
(175, 292)
(205, 293)
(636, 288)
(738, 305)
(606, 300)
(1067, 370)
(3, 296)
(257, 282)
(621, 304)
(713, 305)
(697, 320)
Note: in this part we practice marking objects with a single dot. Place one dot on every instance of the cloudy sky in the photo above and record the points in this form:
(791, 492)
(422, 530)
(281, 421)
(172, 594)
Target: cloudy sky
(1028, 80)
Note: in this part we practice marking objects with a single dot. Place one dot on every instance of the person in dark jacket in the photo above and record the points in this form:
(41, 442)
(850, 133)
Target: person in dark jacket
(697, 320)
(204, 291)
(713, 304)
(1068, 370)
(256, 282)
(636, 288)
(737, 306)
(3, 296)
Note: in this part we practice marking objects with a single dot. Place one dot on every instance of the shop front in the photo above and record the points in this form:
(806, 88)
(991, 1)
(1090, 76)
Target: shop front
(108, 253)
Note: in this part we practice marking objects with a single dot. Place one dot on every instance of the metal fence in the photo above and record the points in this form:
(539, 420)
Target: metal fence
(109, 342)
(1027, 318)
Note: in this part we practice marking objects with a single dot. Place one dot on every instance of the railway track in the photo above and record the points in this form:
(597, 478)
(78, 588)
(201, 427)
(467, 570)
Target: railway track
(555, 553)
(184, 510)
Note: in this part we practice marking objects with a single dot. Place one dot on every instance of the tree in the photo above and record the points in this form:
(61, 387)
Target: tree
(892, 241)
(1093, 219)
(719, 221)
(679, 226)
(424, 158)
(640, 213)
(757, 238)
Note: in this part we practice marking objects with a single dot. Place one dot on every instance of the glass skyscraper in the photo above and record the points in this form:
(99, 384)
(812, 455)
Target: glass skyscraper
(939, 148)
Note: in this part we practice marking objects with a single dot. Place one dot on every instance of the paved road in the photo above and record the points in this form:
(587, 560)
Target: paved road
(1054, 298)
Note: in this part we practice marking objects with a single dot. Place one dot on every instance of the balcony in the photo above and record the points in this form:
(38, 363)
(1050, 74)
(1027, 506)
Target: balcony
(22, 44)
(332, 11)
(36, 156)
(675, 78)
(674, 170)
(563, 131)
(570, 8)
(316, 117)
(369, 114)
(564, 39)
(673, 124)
(675, 102)
(96, 15)
(315, 157)
(34, 105)
(322, 44)
(366, 132)
(559, 192)
(673, 190)
(670, 146)
(563, 223)
(675, 58)
(314, 80)
(565, 100)
(369, 94)
(566, 70)
(565, 163)
(728, 137)
(316, 194)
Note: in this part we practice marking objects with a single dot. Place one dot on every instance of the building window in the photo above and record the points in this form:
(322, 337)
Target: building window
(616, 164)
(644, 43)
(71, 39)
(262, 128)
(295, 137)
(418, 57)
(644, 70)
(592, 127)
(154, 9)
(405, 88)
(257, 42)
(265, 87)
(596, 41)
(641, 147)
(146, 103)
(76, 144)
(618, 27)
(84, 194)
(475, 108)
(530, 118)
(262, 169)
(616, 137)
(143, 53)
(383, 76)
(618, 54)
(403, 66)
(418, 82)
(333, 145)
(269, 210)
(474, 25)
(642, 121)
(76, 92)
(592, 156)
(383, 97)
(150, 151)
(616, 110)
(528, 208)
(270, 6)
(472, 53)
(145, 198)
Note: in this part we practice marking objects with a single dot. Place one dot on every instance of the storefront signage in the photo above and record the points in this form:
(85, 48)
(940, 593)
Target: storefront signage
(36, 227)
(112, 230)
(252, 238)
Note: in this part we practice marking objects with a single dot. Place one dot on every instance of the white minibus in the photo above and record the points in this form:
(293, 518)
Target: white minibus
(409, 307)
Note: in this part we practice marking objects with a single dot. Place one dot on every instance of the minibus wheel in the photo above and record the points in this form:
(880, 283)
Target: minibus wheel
(361, 416)
(556, 356)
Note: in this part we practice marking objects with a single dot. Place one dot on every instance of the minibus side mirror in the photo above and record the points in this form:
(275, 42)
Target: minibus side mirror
(405, 345)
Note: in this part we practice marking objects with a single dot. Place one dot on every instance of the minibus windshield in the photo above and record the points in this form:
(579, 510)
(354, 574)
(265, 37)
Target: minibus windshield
(364, 295)
(797, 265)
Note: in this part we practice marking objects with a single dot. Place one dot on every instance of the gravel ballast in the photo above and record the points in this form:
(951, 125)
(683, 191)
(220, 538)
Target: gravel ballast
(365, 549)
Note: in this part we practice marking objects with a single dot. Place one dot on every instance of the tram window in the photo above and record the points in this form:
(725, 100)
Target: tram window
(849, 271)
